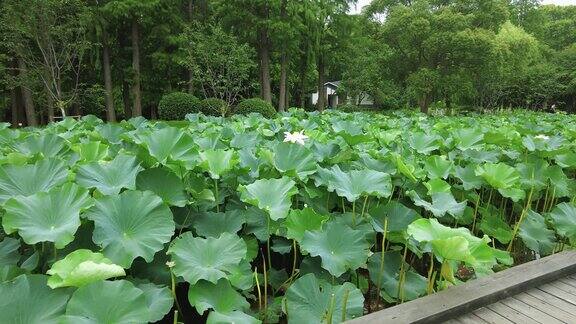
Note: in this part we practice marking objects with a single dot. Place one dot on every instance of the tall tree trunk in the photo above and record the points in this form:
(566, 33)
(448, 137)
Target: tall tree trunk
(50, 106)
(14, 107)
(126, 99)
(264, 58)
(302, 84)
(283, 65)
(110, 112)
(424, 102)
(321, 104)
(137, 95)
(27, 97)
(283, 76)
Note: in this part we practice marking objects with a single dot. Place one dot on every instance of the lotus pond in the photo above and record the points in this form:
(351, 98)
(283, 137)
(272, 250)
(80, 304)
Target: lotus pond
(306, 218)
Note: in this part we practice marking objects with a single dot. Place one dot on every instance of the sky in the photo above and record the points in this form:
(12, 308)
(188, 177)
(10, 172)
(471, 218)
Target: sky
(362, 3)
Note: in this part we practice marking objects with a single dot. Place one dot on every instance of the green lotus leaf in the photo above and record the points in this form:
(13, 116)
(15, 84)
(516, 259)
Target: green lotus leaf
(442, 203)
(535, 234)
(397, 215)
(241, 275)
(108, 302)
(560, 184)
(272, 195)
(130, 225)
(209, 224)
(309, 300)
(172, 144)
(513, 193)
(480, 255)
(52, 216)
(28, 300)
(259, 224)
(109, 177)
(49, 145)
(566, 160)
(91, 151)
(338, 255)
(220, 297)
(564, 219)
(165, 184)
(437, 185)
(533, 174)
(217, 162)
(356, 183)
(406, 169)
(9, 272)
(468, 138)
(493, 225)
(210, 259)
(414, 284)
(236, 317)
(300, 221)
(438, 167)
(294, 160)
(82, 267)
(499, 175)
(452, 248)
(9, 251)
(158, 298)
(26, 180)
(469, 178)
(423, 143)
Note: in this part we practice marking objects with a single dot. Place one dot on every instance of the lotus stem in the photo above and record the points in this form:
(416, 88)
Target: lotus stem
(354, 213)
(402, 276)
(258, 289)
(364, 207)
(175, 320)
(331, 309)
(522, 215)
(546, 199)
(475, 213)
(380, 273)
(430, 271)
(216, 195)
(268, 244)
(265, 290)
(431, 285)
(173, 287)
(343, 206)
(344, 305)
(295, 248)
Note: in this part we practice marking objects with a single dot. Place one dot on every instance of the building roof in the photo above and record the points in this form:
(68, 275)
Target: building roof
(333, 84)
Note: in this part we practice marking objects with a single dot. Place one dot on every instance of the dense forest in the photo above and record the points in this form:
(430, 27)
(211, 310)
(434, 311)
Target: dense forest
(117, 58)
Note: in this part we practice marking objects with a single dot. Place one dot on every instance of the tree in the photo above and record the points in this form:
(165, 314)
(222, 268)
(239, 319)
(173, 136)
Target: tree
(220, 63)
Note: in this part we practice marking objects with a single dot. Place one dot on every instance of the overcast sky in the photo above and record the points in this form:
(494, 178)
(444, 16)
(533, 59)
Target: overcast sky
(362, 3)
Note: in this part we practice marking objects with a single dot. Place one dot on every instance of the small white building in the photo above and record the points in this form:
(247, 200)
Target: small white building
(333, 99)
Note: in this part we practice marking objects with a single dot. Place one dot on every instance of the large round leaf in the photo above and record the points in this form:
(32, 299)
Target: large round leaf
(109, 177)
(26, 180)
(396, 216)
(82, 267)
(9, 251)
(211, 224)
(300, 221)
(310, 300)
(210, 259)
(564, 218)
(165, 184)
(499, 175)
(158, 298)
(271, 195)
(172, 144)
(111, 302)
(52, 216)
(217, 162)
(356, 183)
(236, 317)
(338, 254)
(536, 235)
(220, 297)
(28, 300)
(130, 225)
(294, 160)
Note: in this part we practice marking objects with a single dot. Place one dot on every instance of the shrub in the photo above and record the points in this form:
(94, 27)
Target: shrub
(214, 107)
(350, 108)
(256, 105)
(175, 106)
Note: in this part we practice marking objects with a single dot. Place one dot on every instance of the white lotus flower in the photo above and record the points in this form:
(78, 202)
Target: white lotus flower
(542, 137)
(296, 137)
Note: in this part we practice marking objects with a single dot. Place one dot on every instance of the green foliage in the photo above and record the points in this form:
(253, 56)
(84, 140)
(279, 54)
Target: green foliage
(176, 105)
(255, 105)
(214, 107)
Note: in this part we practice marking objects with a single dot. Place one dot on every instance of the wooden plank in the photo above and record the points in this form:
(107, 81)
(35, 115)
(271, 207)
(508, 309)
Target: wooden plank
(552, 290)
(530, 311)
(462, 299)
(560, 285)
(552, 300)
(470, 319)
(511, 314)
(547, 308)
(568, 281)
(491, 317)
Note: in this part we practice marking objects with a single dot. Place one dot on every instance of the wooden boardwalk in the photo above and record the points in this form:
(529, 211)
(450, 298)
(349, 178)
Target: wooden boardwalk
(541, 291)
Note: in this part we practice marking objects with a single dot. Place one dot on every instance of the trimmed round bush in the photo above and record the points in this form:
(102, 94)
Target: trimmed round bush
(256, 105)
(214, 107)
(176, 105)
